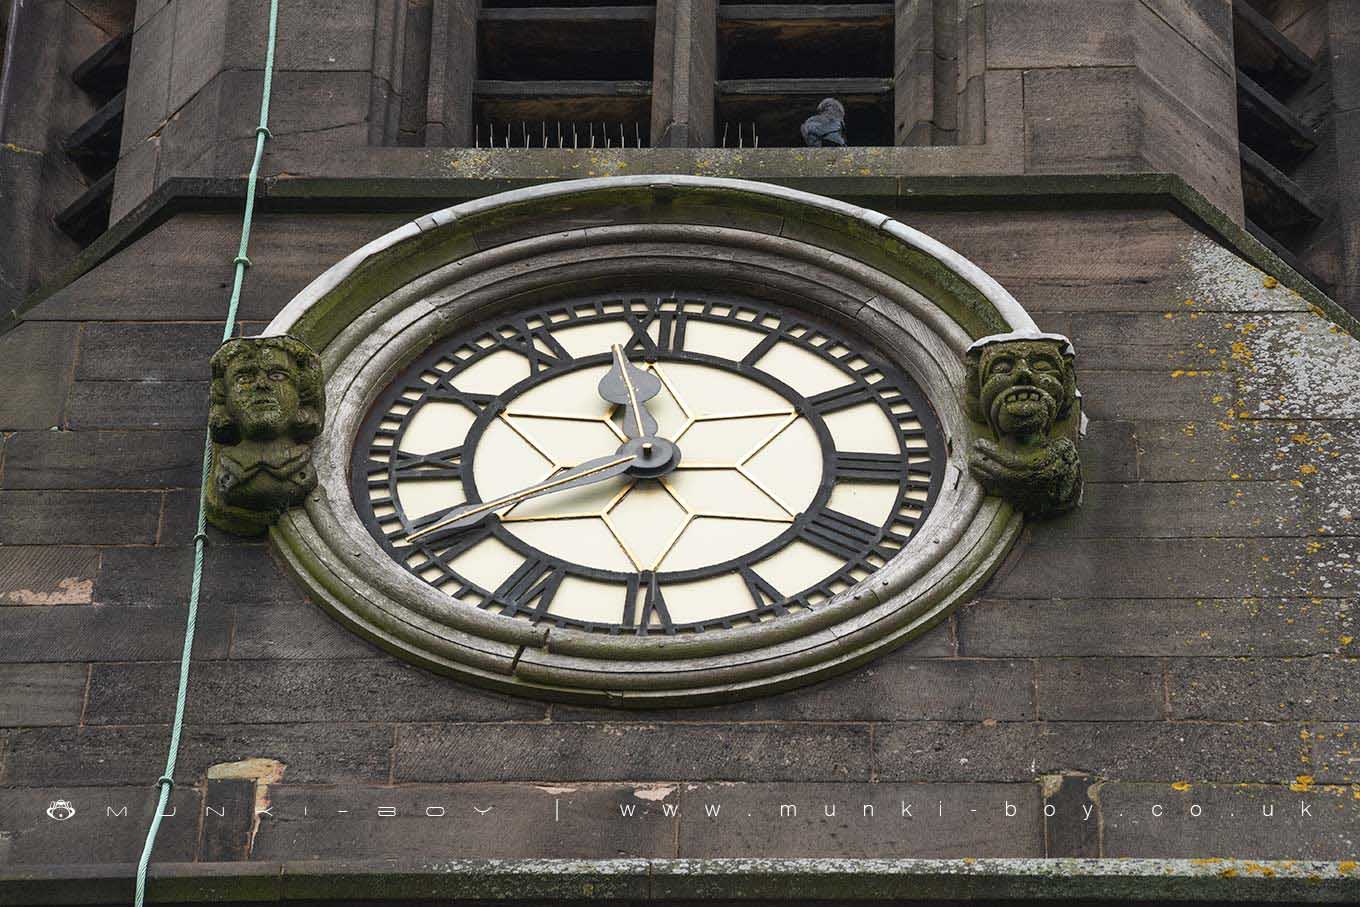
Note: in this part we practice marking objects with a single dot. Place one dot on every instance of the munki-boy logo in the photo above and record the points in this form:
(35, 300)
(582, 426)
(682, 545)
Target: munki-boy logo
(61, 810)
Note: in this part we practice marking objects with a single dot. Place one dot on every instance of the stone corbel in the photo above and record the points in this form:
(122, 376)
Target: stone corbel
(267, 405)
(1022, 392)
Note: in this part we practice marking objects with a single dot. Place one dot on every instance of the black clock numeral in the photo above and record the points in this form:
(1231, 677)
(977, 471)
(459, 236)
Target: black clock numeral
(870, 467)
(764, 346)
(442, 464)
(844, 536)
(670, 335)
(653, 606)
(841, 398)
(540, 347)
(532, 587)
(762, 593)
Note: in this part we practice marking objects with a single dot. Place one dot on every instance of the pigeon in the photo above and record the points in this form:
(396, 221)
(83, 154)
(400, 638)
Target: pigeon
(826, 126)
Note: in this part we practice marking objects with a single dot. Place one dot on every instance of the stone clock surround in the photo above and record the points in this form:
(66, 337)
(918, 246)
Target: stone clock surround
(377, 309)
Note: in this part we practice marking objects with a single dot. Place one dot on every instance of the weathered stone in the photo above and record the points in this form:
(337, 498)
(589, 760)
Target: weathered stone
(110, 633)
(642, 752)
(102, 459)
(484, 821)
(136, 404)
(1158, 626)
(1125, 750)
(865, 820)
(1024, 388)
(45, 575)
(894, 688)
(37, 359)
(109, 824)
(1099, 689)
(79, 517)
(268, 404)
(160, 576)
(294, 691)
(1252, 822)
(1321, 687)
(148, 352)
(36, 695)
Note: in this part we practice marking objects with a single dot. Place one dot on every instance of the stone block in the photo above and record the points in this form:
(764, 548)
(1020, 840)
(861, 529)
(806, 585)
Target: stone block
(1205, 24)
(1336, 749)
(103, 459)
(1081, 120)
(1158, 626)
(1099, 689)
(38, 695)
(148, 95)
(635, 751)
(199, 46)
(1190, 568)
(339, 36)
(1125, 750)
(295, 691)
(1109, 452)
(294, 628)
(469, 821)
(109, 825)
(47, 575)
(121, 351)
(892, 688)
(136, 404)
(79, 517)
(864, 821)
(35, 370)
(1204, 821)
(1321, 687)
(160, 576)
(1037, 34)
(329, 753)
(110, 633)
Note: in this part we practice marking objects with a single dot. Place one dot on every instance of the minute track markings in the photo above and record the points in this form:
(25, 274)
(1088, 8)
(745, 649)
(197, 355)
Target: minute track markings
(665, 323)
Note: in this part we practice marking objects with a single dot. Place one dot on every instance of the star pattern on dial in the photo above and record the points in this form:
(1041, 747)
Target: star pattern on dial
(721, 485)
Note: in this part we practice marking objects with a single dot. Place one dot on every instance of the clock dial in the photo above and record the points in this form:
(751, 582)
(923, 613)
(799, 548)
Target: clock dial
(695, 462)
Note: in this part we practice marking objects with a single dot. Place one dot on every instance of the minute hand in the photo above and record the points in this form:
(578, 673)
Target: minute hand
(587, 473)
(631, 388)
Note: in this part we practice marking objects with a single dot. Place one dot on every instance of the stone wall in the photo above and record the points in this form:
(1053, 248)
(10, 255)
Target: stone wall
(1186, 637)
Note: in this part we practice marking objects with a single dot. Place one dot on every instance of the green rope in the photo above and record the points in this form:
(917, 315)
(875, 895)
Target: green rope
(166, 781)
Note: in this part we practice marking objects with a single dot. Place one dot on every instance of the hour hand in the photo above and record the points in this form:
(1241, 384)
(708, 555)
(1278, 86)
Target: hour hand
(587, 473)
(631, 388)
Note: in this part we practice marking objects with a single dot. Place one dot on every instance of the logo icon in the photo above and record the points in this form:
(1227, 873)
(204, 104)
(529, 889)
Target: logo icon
(61, 810)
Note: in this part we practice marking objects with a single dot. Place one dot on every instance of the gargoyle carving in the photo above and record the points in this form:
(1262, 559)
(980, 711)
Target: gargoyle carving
(267, 404)
(1024, 388)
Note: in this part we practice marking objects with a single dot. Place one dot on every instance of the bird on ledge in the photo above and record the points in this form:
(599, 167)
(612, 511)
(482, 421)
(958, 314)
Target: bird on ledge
(826, 126)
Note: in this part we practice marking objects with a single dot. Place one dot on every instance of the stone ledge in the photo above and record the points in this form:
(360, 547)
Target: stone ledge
(376, 194)
(691, 881)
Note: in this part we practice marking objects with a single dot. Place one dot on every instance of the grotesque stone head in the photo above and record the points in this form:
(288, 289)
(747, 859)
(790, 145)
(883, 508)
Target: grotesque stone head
(265, 388)
(1021, 385)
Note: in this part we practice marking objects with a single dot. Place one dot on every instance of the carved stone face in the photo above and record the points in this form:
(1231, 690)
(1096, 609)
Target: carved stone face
(1022, 386)
(263, 395)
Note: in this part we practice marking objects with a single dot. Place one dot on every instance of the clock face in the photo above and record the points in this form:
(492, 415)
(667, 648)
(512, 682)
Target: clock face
(785, 461)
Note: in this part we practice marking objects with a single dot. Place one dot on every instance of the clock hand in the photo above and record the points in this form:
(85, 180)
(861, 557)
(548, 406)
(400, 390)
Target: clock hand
(631, 387)
(587, 473)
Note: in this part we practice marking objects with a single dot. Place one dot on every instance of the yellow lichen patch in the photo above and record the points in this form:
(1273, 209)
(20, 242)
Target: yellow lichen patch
(1347, 640)
(1300, 438)
(1181, 785)
(1308, 469)
(1301, 784)
(1269, 282)
(1348, 866)
(1169, 315)
(1189, 302)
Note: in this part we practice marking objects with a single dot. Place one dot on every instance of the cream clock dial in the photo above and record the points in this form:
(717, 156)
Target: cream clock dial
(647, 464)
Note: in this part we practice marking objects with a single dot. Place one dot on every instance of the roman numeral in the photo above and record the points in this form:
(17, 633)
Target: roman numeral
(762, 593)
(670, 335)
(466, 536)
(764, 346)
(844, 536)
(870, 467)
(841, 398)
(531, 587)
(442, 464)
(653, 605)
(544, 354)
